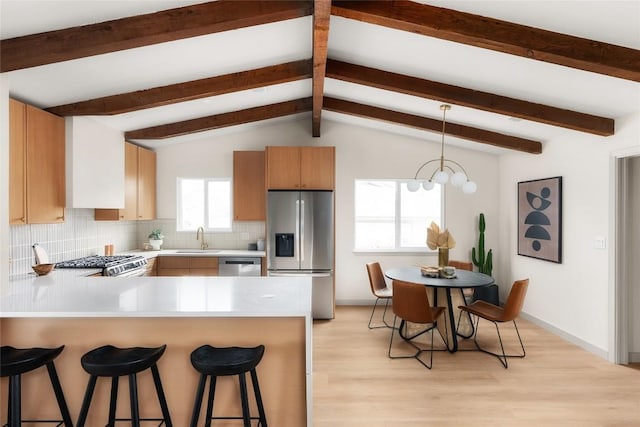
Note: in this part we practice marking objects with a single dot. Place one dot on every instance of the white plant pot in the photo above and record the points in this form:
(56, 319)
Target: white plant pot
(155, 244)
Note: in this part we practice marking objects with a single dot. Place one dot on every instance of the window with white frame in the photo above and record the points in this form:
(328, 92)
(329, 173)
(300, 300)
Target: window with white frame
(204, 202)
(389, 217)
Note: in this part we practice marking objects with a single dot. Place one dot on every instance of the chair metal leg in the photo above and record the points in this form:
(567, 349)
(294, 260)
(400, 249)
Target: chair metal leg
(384, 314)
(501, 357)
(419, 350)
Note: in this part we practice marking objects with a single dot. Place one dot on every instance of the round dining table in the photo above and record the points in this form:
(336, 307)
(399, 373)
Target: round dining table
(463, 279)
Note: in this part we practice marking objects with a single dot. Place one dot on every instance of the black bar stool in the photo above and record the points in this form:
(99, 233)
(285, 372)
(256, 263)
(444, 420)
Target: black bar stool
(13, 363)
(215, 362)
(110, 361)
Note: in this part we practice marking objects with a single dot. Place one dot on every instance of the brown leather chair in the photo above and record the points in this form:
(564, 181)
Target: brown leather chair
(496, 314)
(411, 304)
(380, 290)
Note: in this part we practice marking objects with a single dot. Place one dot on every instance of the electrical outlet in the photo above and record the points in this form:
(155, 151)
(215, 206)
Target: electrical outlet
(600, 243)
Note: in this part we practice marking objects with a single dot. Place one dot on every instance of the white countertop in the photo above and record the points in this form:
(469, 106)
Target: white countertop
(70, 293)
(196, 252)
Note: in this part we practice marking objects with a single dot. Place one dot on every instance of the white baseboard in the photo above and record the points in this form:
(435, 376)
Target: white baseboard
(633, 357)
(566, 336)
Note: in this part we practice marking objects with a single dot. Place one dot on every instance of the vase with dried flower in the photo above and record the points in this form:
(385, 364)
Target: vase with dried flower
(443, 241)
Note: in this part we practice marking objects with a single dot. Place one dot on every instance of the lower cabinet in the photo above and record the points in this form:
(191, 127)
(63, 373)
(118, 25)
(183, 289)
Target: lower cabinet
(187, 266)
(151, 268)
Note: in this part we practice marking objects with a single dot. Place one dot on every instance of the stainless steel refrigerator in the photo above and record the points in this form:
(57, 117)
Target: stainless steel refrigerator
(300, 242)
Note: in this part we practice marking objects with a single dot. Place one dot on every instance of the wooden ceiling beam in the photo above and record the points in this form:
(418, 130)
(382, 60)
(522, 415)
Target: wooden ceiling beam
(222, 120)
(321, 16)
(188, 91)
(143, 30)
(494, 34)
(465, 132)
(470, 98)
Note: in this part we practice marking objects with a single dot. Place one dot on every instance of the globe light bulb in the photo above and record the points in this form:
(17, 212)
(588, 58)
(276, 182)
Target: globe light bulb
(469, 187)
(458, 179)
(441, 177)
(428, 185)
(413, 185)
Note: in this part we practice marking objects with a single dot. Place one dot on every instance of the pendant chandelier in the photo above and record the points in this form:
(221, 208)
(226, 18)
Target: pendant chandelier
(440, 175)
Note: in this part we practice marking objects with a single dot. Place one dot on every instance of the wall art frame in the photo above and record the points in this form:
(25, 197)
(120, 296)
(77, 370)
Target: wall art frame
(540, 219)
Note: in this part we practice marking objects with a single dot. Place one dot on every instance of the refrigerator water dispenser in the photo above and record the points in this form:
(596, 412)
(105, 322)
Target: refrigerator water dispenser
(284, 245)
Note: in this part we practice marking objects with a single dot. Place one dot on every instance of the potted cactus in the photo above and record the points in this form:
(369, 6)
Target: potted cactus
(484, 261)
(481, 259)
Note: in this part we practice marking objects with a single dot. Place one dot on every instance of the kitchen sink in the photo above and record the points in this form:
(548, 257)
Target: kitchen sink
(197, 251)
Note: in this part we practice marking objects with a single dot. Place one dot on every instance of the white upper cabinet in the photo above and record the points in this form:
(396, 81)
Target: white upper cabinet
(95, 164)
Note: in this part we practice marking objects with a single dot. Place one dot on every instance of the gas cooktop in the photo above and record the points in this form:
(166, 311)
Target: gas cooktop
(114, 265)
(94, 261)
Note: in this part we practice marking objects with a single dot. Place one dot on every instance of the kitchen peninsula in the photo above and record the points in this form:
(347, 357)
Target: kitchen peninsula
(68, 308)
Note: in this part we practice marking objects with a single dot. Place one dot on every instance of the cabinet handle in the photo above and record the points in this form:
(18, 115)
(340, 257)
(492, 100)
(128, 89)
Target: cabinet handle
(61, 217)
(121, 216)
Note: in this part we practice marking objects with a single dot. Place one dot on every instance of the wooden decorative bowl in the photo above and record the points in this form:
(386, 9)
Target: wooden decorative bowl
(43, 269)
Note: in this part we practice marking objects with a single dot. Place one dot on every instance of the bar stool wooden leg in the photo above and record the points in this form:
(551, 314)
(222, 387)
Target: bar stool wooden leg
(198, 400)
(161, 397)
(212, 394)
(244, 400)
(133, 398)
(57, 389)
(86, 402)
(112, 402)
(256, 390)
(15, 410)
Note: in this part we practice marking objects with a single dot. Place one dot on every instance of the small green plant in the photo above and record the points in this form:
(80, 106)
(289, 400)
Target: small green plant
(156, 234)
(484, 261)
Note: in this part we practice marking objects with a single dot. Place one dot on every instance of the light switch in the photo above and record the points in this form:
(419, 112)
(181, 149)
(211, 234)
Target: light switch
(600, 243)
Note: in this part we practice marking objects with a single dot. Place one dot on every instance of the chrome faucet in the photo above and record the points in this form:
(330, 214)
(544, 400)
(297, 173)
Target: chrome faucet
(200, 232)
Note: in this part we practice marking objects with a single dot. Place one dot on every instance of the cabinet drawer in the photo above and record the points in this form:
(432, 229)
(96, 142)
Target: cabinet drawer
(203, 262)
(203, 272)
(173, 272)
(173, 262)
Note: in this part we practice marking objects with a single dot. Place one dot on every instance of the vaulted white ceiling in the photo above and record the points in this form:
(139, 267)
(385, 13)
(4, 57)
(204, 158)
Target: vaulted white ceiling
(352, 41)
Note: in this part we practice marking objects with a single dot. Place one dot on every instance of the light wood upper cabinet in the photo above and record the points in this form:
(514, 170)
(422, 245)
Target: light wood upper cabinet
(317, 168)
(37, 183)
(146, 184)
(17, 163)
(140, 187)
(248, 186)
(300, 168)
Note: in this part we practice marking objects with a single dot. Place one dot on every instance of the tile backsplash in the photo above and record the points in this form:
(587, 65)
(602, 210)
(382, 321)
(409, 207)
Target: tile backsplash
(80, 235)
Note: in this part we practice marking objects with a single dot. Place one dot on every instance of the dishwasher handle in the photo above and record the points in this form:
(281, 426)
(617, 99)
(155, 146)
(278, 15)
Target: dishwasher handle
(239, 261)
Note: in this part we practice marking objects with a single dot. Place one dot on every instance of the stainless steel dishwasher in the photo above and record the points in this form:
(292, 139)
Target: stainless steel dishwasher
(239, 266)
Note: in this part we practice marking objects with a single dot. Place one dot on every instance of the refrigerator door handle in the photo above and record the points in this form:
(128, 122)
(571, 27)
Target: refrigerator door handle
(302, 238)
(298, 240)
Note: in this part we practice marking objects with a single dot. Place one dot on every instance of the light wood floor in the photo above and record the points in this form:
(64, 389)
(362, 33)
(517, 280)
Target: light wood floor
(557, 384)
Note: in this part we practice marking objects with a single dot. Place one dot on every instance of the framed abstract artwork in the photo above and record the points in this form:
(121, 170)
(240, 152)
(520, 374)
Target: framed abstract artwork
(540, 219)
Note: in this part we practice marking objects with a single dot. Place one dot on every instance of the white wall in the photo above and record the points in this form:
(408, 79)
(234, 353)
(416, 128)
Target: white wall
(572, 296)
(360, 153)
(634, 254)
